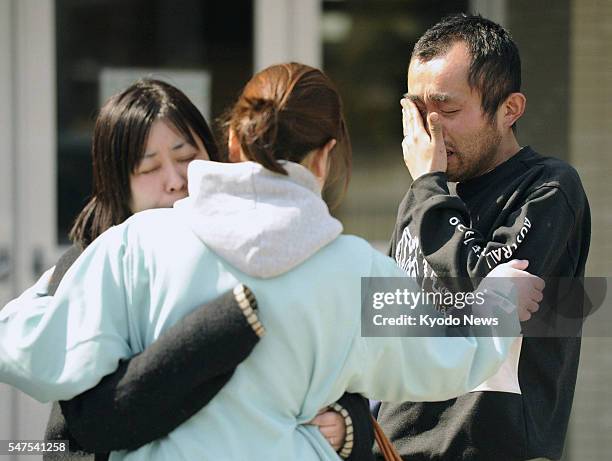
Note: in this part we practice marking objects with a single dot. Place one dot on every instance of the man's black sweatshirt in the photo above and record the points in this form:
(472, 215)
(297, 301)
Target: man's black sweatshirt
(529, 207)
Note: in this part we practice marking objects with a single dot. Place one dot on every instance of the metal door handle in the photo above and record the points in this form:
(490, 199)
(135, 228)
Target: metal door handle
(38, 262)
(5, 265)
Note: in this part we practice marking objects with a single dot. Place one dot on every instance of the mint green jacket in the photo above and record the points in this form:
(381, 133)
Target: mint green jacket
(141, 277)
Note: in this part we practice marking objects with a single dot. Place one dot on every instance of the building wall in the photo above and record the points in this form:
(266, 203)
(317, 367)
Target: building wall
(541, 32)
(590, 152)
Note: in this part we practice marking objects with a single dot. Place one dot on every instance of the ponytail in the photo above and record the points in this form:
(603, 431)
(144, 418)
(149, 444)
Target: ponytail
(285, 112)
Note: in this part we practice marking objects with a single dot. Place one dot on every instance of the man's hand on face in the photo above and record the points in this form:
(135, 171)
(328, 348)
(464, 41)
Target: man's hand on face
(423, 152)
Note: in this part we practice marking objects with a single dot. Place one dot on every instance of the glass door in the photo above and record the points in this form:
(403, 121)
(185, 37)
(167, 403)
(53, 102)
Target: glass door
(202, 47)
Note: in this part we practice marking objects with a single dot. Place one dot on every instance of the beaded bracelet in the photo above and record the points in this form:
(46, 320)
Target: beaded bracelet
(347, 448)
(248, 305)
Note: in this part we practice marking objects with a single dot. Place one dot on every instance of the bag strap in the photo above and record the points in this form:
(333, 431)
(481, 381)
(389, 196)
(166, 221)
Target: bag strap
(384, 444)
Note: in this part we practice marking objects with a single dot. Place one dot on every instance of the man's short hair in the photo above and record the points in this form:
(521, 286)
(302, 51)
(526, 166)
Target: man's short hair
(495, 68)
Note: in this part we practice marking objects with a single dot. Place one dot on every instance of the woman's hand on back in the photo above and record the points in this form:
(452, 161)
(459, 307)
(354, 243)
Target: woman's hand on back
(528, 287)
(332, 426)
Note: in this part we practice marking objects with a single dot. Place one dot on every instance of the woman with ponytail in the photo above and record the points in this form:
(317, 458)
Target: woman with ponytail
(144, 137)
(260, 221)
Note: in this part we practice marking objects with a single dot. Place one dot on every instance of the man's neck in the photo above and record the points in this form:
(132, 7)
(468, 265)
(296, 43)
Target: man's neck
(507, 149)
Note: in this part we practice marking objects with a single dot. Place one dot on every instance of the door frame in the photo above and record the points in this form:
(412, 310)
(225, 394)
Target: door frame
(28, 157)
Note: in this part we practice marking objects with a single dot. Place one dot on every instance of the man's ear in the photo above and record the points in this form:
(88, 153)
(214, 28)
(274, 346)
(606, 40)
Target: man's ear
(320, 162)
(233, 147)
(512, 109)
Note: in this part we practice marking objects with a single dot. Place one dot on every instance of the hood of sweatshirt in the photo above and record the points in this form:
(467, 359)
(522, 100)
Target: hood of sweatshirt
(261, 222)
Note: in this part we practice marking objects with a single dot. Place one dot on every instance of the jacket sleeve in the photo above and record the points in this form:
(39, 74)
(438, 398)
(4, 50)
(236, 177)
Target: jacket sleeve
(360, 436)
(57, 347)
(58, 430)
(433, 368)
(535, 228)
(155, 391)
(29, 296)
(127, 406)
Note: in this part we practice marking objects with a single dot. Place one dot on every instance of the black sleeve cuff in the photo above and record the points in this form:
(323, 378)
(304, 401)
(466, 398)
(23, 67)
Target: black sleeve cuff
(359, 431)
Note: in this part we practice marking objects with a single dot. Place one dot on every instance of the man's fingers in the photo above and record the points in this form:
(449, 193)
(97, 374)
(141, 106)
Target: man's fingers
(414, 122)
(405, 122)
(435, 129)
(406, 117)
(422, 153)
(418, 127)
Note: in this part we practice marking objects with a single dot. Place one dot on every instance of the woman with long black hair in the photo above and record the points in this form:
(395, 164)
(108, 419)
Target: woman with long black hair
(143, 140)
